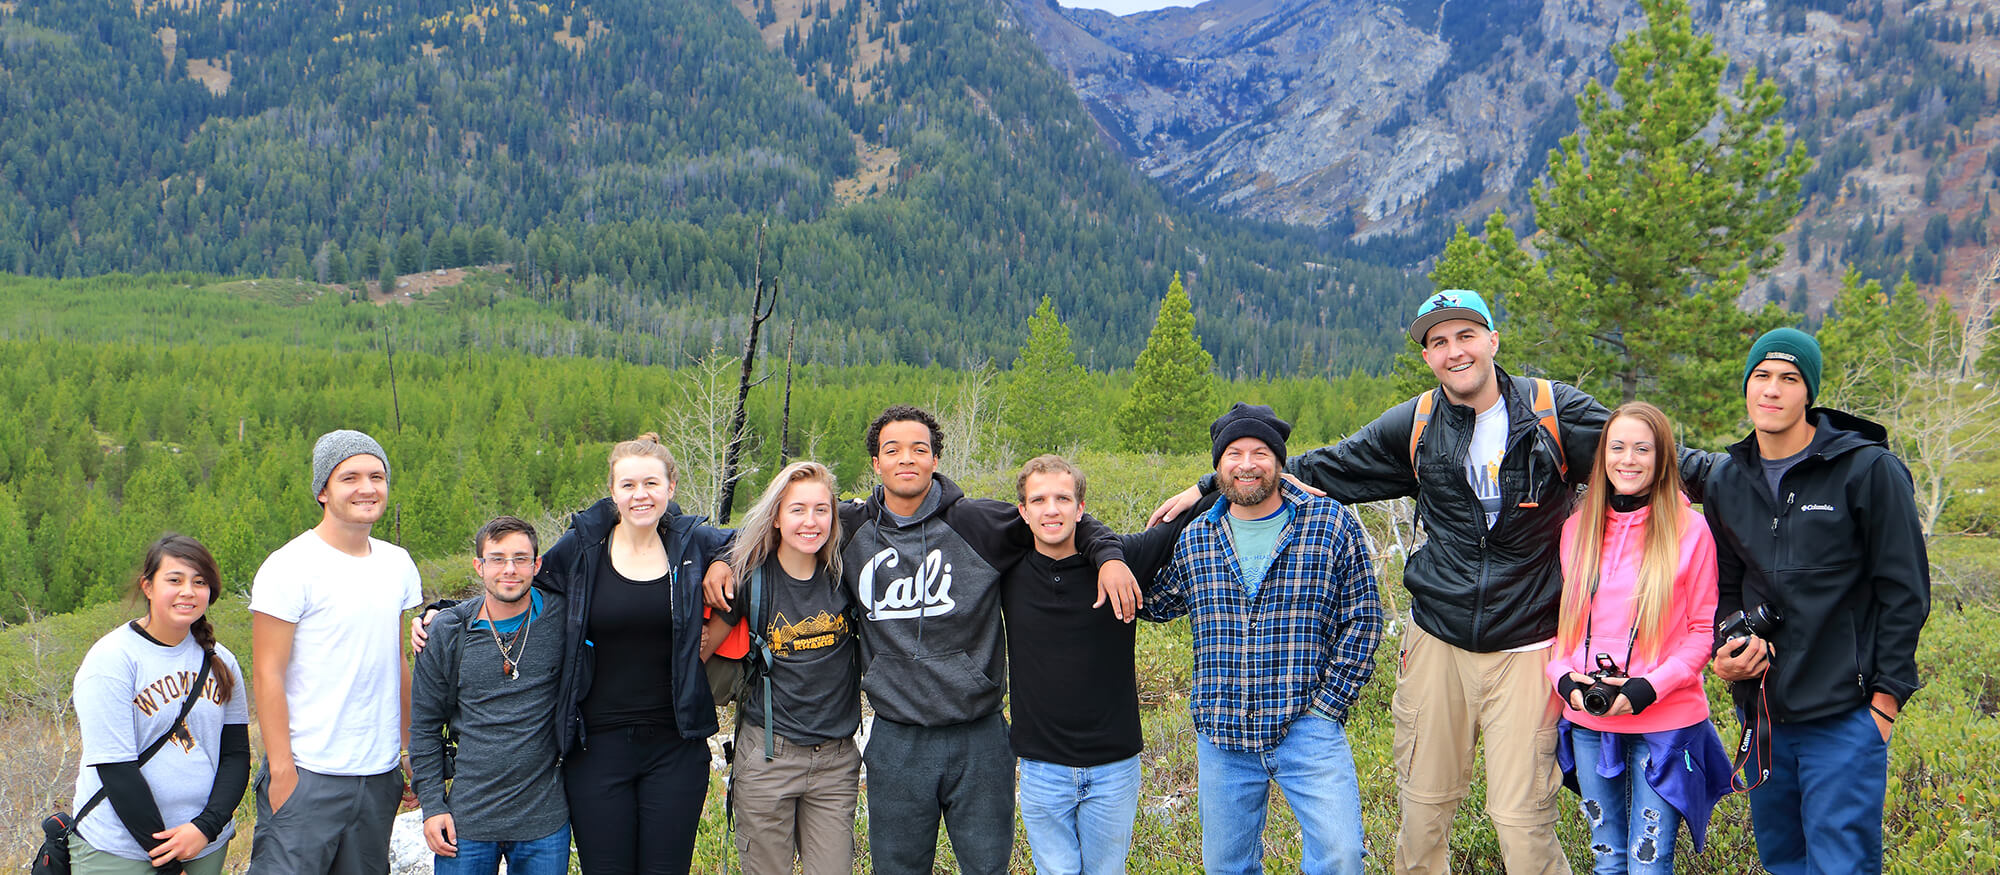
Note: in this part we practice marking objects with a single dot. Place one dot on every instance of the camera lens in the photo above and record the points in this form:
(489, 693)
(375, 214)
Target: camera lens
(1597, 698)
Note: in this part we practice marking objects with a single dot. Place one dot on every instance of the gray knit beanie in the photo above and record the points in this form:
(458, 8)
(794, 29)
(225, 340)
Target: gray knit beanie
(338, 446)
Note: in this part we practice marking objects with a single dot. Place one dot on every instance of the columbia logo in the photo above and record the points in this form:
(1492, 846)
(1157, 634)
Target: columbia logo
(1824, 507)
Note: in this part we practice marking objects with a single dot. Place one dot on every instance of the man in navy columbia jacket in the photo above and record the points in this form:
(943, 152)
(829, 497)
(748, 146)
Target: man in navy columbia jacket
(1815, 517)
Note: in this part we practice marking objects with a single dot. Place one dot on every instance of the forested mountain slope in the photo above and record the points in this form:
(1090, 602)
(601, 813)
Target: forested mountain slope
(925, 176)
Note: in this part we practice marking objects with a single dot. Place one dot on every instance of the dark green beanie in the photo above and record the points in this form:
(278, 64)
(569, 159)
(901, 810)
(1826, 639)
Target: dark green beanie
(1787, 345)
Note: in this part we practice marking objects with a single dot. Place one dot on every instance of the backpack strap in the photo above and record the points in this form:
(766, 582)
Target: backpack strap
(451, 711)
(1545, 412)
(760, 652)
(1422, 418)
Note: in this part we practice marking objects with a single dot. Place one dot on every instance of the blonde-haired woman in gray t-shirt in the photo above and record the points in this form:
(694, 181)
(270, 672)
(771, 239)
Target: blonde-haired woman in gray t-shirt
(173, 813)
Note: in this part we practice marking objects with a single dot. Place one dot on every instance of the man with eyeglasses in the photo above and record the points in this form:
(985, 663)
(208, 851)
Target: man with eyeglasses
(482, 716)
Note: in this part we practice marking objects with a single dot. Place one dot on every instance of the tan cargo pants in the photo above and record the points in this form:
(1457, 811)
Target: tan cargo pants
(1446, 701)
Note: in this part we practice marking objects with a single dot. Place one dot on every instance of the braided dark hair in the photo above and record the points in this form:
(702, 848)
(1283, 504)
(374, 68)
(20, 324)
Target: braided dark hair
(190, 551)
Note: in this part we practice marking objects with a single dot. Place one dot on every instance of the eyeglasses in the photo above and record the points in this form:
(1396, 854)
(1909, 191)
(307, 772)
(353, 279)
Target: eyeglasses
(508, 561)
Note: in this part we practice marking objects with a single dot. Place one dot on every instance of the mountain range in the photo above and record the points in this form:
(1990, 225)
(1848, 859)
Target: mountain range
(923, 171)
(1387, 119)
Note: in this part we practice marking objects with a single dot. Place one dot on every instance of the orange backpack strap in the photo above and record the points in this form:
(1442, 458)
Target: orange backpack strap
(1417, 424)
(1545, 410)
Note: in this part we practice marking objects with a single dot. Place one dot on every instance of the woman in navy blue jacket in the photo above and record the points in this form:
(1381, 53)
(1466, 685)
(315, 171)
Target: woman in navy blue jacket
(635, 709)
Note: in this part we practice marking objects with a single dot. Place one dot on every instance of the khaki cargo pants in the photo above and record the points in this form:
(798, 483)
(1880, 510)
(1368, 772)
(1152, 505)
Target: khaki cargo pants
(1446, 701)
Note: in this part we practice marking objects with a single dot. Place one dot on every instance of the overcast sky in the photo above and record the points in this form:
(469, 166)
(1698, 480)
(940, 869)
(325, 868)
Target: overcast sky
(1126, 7)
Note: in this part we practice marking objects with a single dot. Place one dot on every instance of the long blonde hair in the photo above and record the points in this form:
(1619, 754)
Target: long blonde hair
(1659, 562)
(758, 539)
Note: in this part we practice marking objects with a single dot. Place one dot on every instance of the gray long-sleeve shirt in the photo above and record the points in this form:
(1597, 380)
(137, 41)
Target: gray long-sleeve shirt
(509, 781)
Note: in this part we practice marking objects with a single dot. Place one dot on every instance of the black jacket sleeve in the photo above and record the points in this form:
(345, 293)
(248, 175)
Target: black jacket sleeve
(994, 529)
(1899, 573)
(1729, 568)
(232, 776)
(1372, 464)
(125, 789)
(554, 576)
(1580, 419)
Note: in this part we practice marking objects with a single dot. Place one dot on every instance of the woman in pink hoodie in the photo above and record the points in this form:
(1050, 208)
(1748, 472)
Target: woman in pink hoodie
(1637, 623)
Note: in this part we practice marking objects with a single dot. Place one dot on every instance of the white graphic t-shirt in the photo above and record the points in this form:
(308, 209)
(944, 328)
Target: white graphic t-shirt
(344, 684)
(128, 691)
(1482, 461)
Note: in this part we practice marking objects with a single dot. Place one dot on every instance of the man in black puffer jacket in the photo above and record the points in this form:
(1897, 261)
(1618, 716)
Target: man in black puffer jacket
(1815, 517)
(1493, 470)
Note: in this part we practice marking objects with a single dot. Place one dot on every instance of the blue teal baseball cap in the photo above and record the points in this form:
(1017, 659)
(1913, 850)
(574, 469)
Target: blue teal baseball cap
(1446, 305)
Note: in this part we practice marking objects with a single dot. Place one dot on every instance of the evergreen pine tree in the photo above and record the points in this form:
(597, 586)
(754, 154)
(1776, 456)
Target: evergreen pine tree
(1656, 216)
(20, 587)
(1039, 402)
(1175, 397)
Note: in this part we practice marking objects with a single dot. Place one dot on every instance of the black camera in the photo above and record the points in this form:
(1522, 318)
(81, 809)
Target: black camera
(1598, 696)
(1759, 620)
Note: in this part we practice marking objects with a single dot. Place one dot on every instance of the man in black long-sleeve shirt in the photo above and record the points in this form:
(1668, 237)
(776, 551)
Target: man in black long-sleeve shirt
(1075, 703)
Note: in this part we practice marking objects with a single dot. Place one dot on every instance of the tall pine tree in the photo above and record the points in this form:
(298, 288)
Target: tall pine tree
(1654, 219)
(1175, 397)
(1039, 403)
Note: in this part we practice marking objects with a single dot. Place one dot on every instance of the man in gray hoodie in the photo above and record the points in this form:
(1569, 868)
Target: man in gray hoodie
(924, 564)
(482, 715)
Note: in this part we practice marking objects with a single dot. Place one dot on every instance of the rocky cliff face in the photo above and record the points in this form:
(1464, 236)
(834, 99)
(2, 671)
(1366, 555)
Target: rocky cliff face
(1323, 112)
(1378, 112)
(1374, 118)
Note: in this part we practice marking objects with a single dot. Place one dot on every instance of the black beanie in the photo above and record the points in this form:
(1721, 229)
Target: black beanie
(1248, 420)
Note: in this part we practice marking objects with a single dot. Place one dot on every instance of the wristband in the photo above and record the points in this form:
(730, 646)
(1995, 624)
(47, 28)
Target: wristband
(1884, 714)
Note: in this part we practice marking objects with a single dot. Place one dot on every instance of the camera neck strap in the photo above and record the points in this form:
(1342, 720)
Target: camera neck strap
(1589, 631)
(1753, 749)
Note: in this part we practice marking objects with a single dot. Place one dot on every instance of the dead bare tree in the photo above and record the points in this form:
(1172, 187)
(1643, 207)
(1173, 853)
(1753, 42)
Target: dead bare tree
(1914, 367)
(764, 299)
(785, 419)
(969, 420)
(1948, 413)
(697, 430)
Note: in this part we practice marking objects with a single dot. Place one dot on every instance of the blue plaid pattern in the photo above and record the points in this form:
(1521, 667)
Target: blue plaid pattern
(1305, 640)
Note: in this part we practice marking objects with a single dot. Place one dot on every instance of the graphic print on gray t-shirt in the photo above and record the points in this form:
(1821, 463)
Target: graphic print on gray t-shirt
(816, 669)
(128, 691)
(1482, 458)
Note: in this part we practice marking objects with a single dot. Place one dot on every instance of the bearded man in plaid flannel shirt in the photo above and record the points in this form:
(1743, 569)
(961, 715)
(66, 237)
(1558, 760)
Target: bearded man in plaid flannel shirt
(1283, 610)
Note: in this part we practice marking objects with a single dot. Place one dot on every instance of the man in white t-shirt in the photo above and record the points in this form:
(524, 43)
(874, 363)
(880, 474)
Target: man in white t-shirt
(332, 687)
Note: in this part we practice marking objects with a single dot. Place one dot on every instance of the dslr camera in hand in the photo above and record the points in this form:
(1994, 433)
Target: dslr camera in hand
(1597, 697)
(1759, 620)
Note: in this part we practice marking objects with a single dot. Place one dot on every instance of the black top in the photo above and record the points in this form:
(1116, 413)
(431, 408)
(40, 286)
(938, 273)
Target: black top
(1075, 700)
(630, 630)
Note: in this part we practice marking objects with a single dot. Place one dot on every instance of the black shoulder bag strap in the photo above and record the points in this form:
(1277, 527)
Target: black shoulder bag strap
(451, 712)
(200, 681)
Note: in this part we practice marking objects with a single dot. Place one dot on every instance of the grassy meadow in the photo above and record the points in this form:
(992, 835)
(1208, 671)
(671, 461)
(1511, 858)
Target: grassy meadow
(1944, 759)
(134, 405)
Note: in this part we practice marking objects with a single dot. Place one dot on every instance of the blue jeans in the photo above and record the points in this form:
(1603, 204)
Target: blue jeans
(1821, 809)
(1314, 768)
(548, 855)
(1632, 829)
(1079, 820)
